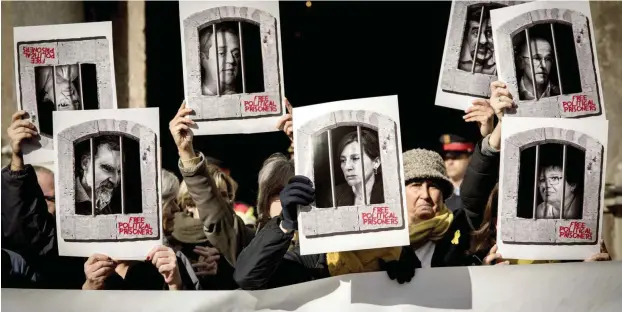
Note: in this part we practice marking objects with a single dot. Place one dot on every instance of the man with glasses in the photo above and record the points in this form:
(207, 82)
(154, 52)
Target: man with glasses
(456, 152)
(543, 62)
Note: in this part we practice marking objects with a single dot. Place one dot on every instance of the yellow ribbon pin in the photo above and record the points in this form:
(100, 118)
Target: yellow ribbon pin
(456, 238)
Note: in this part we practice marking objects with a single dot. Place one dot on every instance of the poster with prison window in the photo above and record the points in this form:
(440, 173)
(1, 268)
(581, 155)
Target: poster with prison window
(469, 64)
(351, 150)
(551, 188)
(232, 65)
(61, 68)
(546, 54)
(108, 182)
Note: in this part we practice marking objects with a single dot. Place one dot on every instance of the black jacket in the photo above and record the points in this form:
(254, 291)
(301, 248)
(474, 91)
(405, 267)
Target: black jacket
(30, 230)
(267, 263)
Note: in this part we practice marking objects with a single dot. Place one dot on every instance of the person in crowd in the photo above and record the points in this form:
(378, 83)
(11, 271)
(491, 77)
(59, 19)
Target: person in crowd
(369, 176)
(159, 271)
(247, 214)
(190, 242)
(553, 184)
(273, 176)
(220, 59)
(223, 228)
(456, 152)
(28, 225)
(484, 57)
(45, 179)
(483, 190)
(170, 188)
(543, 63)
(106, 169)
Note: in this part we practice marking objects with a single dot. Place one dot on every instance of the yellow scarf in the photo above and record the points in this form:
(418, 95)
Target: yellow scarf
(524, 261)
(359, 261)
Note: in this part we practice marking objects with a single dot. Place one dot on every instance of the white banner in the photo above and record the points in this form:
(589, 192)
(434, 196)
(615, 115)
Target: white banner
(539, 287)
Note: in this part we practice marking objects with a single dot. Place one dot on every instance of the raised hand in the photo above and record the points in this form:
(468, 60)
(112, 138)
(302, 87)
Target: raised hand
(285, 123)
(500, 98)
(164, 259)
(299, 191)
(182, 134)
(208, 261)
(96, 269)
(19, 131)
(494, 257)
(481, 112)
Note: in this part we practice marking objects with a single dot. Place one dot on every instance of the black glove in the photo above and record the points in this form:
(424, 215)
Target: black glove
(299, 191)
(403, 269)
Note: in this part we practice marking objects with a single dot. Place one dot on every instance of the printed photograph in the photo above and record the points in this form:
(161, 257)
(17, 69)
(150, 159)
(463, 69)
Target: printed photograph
(477, 53)
(107, 176)
(230, 60)
(545, 54)
(347, 167)
(62, 88)
(551, 182)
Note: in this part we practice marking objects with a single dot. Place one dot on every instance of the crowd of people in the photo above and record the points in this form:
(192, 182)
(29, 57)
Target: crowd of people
(451, 201)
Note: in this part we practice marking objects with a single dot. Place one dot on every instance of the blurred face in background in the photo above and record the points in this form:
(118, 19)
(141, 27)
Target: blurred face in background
(456, 165)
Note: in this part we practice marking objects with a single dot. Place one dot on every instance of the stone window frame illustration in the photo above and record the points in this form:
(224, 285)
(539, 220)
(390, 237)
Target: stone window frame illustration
(458, 81)
(103, 228)
(516, 230)
(233, 106)
(551, 106)
(319, 222)
(75, 51)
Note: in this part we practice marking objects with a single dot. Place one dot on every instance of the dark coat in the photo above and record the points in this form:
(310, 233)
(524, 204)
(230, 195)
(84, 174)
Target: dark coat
(30, 230)
(345, 197)
(454, 202)
(266, 262)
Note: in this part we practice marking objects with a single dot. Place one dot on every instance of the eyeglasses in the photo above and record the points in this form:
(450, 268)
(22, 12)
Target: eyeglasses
(49, 198)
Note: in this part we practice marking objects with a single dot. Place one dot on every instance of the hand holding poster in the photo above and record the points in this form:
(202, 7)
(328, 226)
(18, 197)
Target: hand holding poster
(351, 150)
(233, 76)
(551, 188)
(62, 68)
(546, 55)
(108, 181)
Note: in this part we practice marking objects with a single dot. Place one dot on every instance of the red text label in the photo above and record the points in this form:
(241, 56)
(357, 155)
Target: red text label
(260, 103)
(379, 216)
(136, 226)
(579, 103)
(576, 230)
(38, 55)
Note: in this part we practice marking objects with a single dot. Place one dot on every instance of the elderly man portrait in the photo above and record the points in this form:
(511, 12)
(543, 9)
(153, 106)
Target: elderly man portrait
(220, 60)
(101, 178)
(543, 61)
(473, 39)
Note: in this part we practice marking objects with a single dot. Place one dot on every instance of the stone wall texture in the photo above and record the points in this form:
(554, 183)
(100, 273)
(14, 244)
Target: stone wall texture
(104, 227)
(348, 219)
(550, 106)
(231, 106)
(520, 230)
(91, 51)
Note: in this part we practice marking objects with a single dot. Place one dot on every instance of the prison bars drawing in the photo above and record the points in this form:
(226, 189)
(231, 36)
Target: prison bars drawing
(533, 75)
(215, 35)
(331, 164)
(537, 182)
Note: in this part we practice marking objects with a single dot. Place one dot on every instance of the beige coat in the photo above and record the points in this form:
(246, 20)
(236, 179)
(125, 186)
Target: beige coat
(223, 228)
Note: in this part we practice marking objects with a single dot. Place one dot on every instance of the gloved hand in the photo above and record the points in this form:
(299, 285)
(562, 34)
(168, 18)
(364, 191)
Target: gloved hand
(299, 191)
(403, 269)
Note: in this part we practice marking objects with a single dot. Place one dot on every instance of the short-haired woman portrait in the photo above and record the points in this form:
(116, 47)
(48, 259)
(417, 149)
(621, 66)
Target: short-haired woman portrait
(357, 170)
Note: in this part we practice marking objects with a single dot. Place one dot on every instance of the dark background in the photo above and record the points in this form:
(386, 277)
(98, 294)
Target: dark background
(331, 51)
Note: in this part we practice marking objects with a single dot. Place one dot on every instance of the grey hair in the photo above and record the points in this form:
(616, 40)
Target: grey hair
(170, 185)
(273, 176)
